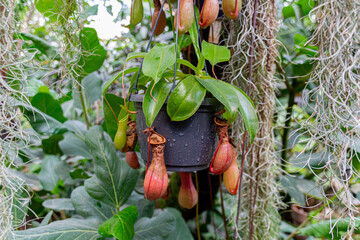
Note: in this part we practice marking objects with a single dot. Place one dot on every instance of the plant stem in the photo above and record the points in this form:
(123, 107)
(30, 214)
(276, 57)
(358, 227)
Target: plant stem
(83, 106)
(197, 208)
(223, 209)
(289, 109)
(310, 217)
(212, 205)
(240, 185)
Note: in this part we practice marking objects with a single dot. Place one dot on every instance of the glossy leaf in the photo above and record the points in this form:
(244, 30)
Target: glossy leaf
(185, 100)
(195, 36)
(247, 112)
(72, 228)
(114, 180)
(215, 53)
(188, 64)
(121, 225)
(222, 93)
(88, 207)
(158, 227)
(233, 99)
(152, 108)
(158, 60)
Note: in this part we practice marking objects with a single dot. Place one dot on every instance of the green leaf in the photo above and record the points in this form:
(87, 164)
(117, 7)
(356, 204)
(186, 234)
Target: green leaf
(233, 99)
(51, 144)
(41, 122)
(215, 53)
(53, 9)
(47, 175)
(48, 105)
(116, 103)
(185, 100)
(20, 204)
(145, 208)
(46, 219)
(143, 80)
(93, 54)
(306, 6)
(248, 113)
(152, 108)
(188, 64)
(184, 41)
(181, 230)
(297, 188)
(116, 77)
(330, 229)
(121, 225)
(114, 180)
(159, 227)
(59, 204)
(195, 37)
(88, 207)
(158, 60)
(91, 91)
(40, 44)
(288, 12)
(79, 229)
(77, 127)
(134, 55)
(72, 145)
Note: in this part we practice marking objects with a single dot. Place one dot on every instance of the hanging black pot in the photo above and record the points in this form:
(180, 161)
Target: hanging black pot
(190, 144)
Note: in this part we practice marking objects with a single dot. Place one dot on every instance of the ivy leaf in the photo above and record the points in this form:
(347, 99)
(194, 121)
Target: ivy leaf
(158, 60)
(121, 225)
(114, 180)
(158, 227)
(215, 53)
(72, 228)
